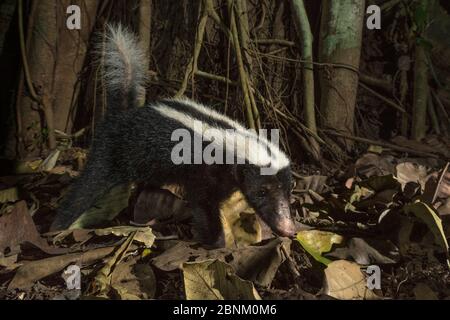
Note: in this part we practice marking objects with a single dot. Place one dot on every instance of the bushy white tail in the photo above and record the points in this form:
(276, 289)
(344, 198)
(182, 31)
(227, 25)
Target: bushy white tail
(122, 61)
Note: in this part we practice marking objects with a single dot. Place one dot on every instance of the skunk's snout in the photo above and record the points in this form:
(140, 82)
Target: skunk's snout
(286, 228)
(283, 224)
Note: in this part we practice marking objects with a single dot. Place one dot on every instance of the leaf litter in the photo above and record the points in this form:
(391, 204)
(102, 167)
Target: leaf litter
(138, 243)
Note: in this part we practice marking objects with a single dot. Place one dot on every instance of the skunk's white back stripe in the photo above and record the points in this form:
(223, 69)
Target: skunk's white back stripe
(275, 151)
(210, 113)
(240, 142)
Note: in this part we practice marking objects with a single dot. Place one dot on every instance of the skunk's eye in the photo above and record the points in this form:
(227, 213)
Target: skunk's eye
(262, 193)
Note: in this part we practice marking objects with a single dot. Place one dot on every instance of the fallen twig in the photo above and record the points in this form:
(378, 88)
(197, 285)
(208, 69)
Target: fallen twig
(382, 144)
(383, 98)
(215, 77)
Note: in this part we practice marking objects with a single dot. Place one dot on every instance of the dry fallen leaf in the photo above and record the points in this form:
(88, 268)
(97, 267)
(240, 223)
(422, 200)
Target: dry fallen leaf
(316, 183)
(215, 280)
(431, 219)
(240, 224)
(371, 164)
(133, 281)
(33, 271)
(410, 172)
(367, 251)
(102, 282)
(257, 263)
(143, 235)
(444, 209)
(344, 280)
(17, 228)
(49, 163)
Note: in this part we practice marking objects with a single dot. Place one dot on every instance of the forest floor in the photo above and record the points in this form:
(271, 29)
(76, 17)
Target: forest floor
(375, 229)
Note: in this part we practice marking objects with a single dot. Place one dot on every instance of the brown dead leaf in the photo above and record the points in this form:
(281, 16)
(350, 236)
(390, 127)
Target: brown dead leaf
(345, 281)
(240, 224)
(444, 209)
(102, 282)
(409, 172)
(33, 271)
(367, 251)
(257, 263)
(142, 235)
(133, 281)
(315, 183)
(444, 186)
(76, 235)
(17, 228)
(61, 170)
(172, 258)
(371, 164)
(9, 262)
(215, 280)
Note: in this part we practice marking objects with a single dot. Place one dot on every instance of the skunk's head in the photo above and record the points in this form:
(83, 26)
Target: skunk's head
(269, 196)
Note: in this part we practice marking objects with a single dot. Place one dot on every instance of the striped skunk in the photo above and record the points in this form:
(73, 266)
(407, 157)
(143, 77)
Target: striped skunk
(136, 145)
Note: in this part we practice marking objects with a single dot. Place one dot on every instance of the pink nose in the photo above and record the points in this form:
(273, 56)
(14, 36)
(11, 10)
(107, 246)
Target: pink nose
(286, 228)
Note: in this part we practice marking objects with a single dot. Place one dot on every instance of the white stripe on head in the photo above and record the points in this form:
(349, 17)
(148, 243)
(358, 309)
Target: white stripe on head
(242, 143)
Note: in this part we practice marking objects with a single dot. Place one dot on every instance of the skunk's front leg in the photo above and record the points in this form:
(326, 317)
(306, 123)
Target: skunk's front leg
(208, 225)
(207, 222)
(93, 183)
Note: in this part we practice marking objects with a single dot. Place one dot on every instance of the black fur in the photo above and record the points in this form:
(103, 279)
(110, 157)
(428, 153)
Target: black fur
(135, 145)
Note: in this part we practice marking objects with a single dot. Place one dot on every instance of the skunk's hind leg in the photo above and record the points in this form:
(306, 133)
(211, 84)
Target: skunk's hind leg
(93, 183)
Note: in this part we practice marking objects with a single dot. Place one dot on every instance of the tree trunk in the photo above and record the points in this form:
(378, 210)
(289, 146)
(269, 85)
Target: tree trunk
(421, 90)
(70, 49)
(420, 94)
(41, 59)
(55, 57)
(340, 43)
(306, 45)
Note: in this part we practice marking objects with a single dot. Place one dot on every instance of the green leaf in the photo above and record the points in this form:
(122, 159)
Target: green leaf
(360, 193)
(432, 220)
(9, 195)
(105, 209)
(420, 16)
(317, 242)
(143, 235)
